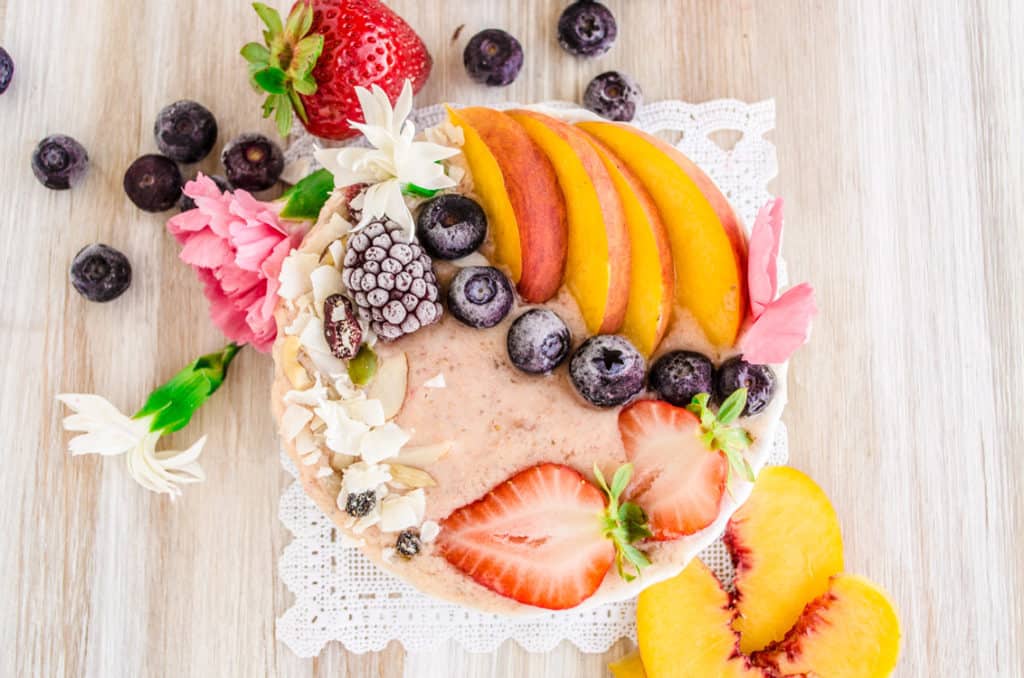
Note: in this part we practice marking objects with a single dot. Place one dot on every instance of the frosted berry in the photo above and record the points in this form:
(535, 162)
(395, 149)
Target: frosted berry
(6, 70)
(538, 341)
(493, 57)
(153, 183)
(587, 28)
(480, 296)
(100, 273)
(607, 370)
(59, 162)
(252, 162)
(737, 373)
(614, 96)
(451, 226)
(680, 375)
(185, 131)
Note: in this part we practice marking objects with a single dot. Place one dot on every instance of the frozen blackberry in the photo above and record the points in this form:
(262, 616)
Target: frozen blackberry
(252, 162)
(587, 28)
(614, 96)
(408, 543)
(737, 373)
(101, 273)
(607, 370)
(59, 162)
(538, 341)
(186, 203)
(185, 131)
(6, 70)
(153, 183)
(451, 226)
(359, 504)
(680, 375)
(493, 57)
(391, 280)
(480, 296)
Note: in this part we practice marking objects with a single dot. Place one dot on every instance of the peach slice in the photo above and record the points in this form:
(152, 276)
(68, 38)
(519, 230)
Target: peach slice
(708, 245)
(597, 270)
(520, 194)
(630, 666)
(850, 632)
(786, 544)
(652, 274)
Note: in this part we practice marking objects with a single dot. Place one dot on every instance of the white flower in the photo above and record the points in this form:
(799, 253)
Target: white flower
(106, 430)
(395, 160)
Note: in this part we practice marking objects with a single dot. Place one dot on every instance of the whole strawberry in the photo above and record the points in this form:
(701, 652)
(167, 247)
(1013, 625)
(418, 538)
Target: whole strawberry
(311, 63)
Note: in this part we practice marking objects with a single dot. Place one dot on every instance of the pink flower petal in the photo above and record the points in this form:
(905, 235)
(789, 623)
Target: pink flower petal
(205, 250)
(762, 260)
(783, 326)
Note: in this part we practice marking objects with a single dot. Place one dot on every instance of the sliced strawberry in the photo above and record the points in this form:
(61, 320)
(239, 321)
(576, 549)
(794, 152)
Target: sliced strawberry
(678, 480)
(536, 538)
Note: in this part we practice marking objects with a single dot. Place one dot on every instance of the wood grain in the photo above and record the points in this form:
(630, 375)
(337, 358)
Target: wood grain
(902, 161)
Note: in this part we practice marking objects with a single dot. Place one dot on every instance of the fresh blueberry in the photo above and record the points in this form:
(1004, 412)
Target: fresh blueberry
(185, 131)
(6, 70)
(252, 162)
(153, 183)
(451, 226)
(737, 373)
(614, 96)
(538, 341)
(607, 370)
(100, 273)
(480, 296)
(186, 203)
(680, 375)
(493, 57)
(587, 28)
(59, 162)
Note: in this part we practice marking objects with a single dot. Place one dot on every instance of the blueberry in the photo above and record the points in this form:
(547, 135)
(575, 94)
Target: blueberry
(59, 162)
(153, 183)
(737, 373)
(493, 57)
(614, 96)
(252, 162)
(587, 28)
(100, 273)
(538, 341)
(607, 370)
(186, 203)
(480, 296)
(451, 226)
(185, 131)
(6, 70)
(678, 376)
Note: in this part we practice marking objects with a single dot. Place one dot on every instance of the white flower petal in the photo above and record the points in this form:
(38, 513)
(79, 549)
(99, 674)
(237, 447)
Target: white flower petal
(403, 106)
(107, 442)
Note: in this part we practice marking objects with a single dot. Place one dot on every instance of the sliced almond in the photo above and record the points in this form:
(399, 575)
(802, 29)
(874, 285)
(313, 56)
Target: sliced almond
(331, 485)
(411, 477)
(425, 455)
(340, 462)
(390, 384)
(296, 373)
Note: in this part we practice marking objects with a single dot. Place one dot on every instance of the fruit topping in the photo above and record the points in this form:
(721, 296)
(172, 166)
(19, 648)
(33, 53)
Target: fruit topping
(759, 380)
(587, 28)
(607, 370)
(392, 281)
(59, 162)
(451, 226)
(493, 57)
(538, 341)
(614, 96)
(537, 538)
(678, 376)
(359, 504)
(153, 183)
(480, 296)
(312, 63)
(185, 131)
(408, 543)
(100, 273)
(6, 70)
(186, 202)
(252, 162)
(341, 328)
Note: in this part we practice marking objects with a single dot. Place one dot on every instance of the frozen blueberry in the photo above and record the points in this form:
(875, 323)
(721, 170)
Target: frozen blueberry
(359, 504)
(185, 131)
(680, 375)
(252, 162)
(100, 273)
(587, 28)
(6, 70)
(153, 183)
(613, 95)
(451, 226)
(607, 370)
(186, 203)
(737, 373)
(538, 341)
(480, 296)
(408, 543)
(493, 57)
(59, 162)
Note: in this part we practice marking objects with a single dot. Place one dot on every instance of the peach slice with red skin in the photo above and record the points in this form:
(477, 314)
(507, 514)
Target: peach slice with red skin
(597, 269)
(709, 247)
(520, 194)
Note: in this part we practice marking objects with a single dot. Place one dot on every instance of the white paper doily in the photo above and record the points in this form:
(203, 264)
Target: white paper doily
(340, 595)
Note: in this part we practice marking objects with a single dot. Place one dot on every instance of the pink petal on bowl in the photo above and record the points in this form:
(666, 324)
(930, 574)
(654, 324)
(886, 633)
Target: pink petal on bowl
(783, 326)
(762, 260)
(203, 249)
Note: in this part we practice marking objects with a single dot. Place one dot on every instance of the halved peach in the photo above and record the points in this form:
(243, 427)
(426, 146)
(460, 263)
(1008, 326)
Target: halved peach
(630, 666)
(708, 244)
(597, 270)
(520, 194)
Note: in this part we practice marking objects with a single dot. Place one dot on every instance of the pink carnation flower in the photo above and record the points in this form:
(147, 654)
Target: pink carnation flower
(236, 245)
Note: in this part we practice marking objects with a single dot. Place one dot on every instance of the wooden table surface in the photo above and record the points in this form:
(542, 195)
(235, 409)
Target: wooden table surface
(902, 162)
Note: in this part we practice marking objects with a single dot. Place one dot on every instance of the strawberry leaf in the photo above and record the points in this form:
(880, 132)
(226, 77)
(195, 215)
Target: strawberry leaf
(270, 17)
(624, 523)
(283, 119)
(304, 200)
(255, 53)
(271, 79)
(719, 434)
(733, 406)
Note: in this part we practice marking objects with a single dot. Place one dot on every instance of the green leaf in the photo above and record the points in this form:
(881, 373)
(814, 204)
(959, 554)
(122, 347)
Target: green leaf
(173, 404)
(362, 368)
(299, 21)
(623, 524)
(418, 191)
(621, 479)
(283, 117)
(255, 53)
(270, 17)
(269, 105)
(296, 104)
(733, 406)
(306, 54)
(271, 79)
(305, 86)
(304, 200)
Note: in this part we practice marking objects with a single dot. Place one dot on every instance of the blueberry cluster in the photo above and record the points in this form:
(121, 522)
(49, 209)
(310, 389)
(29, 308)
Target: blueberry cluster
(678, 376)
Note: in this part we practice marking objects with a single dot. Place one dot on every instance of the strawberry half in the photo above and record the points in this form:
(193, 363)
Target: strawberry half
(311, 64)
(537, 538)
(679, 482)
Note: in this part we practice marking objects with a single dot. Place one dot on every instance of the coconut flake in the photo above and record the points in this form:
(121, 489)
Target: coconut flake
(343, 434)
(383, 442)
(325, 235)
(326, 281)
(305, 443)
(400, 512)
(324, 472)
(294, 420)
(436, 381)
(319, 352)
(388, 555)
(429, 531)
(295, 272)
(370, 412)
(310, 397)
